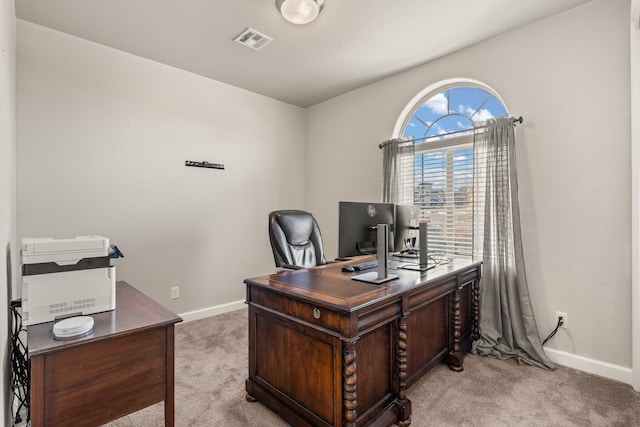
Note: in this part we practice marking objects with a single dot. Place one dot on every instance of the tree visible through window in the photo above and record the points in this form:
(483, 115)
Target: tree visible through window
(442, 125)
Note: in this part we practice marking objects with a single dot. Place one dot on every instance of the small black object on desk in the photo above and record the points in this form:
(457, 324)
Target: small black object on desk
(366, 265)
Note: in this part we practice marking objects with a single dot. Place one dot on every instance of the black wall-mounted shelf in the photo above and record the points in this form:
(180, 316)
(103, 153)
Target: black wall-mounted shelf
(204, 164)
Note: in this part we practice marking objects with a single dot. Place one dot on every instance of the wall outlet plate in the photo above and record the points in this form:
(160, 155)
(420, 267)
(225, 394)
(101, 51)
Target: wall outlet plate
(565, 320)
(175, 292)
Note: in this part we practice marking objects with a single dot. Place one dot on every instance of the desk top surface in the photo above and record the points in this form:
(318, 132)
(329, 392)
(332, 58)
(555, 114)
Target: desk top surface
(134, 312)
(329, 285)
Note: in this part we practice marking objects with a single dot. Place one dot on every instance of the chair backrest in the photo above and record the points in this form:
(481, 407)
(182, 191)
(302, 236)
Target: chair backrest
(295, 239)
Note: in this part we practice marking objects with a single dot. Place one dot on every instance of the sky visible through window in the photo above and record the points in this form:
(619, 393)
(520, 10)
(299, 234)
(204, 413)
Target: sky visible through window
(453, 110)
(449, 114)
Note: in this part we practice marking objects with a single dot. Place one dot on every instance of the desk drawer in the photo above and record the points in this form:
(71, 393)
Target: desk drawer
(322, 317)
(93, 383)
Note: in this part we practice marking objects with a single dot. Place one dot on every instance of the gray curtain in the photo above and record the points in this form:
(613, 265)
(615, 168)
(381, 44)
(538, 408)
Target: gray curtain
(507, 324)
(397, 171)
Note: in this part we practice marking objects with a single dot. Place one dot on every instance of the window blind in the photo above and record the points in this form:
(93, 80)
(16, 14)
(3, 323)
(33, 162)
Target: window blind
(441, 176)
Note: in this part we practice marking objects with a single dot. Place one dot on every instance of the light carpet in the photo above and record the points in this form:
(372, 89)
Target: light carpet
(211, 367)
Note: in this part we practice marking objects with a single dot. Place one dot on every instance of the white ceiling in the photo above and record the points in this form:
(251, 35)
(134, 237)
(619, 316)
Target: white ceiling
(351, 44)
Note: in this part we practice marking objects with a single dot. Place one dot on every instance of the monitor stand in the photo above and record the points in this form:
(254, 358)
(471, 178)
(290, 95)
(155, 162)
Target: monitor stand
(423, 251)
(381, 275)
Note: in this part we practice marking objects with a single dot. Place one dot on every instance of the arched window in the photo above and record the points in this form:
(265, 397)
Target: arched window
(440, 175)
(451, 112)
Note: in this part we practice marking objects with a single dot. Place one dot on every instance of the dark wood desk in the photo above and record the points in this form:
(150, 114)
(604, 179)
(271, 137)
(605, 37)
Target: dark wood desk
(325, 350)
(126, 364)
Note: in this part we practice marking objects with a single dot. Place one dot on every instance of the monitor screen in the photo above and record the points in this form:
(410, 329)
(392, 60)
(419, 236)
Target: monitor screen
(357, 225)
(407, 225)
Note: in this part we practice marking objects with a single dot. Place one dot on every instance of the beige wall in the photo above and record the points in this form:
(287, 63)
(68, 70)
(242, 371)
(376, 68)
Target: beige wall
(103, 139)
(568, 76)
(7, 190)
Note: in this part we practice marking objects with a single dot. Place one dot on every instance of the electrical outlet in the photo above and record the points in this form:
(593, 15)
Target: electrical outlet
(565, 319)
(175, 292)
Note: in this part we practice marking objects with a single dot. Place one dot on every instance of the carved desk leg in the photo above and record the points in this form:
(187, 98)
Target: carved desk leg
(455, 357)
(475, 311)
(350, 385)
(403, 404)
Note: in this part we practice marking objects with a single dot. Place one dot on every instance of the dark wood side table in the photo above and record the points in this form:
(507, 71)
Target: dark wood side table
(126, 364)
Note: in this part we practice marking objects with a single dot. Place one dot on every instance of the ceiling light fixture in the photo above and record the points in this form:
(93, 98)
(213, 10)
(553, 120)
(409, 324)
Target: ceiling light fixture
(299, 11)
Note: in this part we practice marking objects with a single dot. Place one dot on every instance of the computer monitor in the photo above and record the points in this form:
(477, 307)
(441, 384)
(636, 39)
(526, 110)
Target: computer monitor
(357, 224)
(406, 228)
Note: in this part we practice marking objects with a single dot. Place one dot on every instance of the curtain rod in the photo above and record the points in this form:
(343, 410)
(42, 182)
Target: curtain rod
(518, 119)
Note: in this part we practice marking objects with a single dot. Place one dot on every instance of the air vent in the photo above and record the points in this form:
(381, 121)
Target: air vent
(253, 39)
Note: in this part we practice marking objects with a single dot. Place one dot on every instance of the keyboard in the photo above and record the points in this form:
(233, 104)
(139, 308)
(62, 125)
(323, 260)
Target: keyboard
(365, 265)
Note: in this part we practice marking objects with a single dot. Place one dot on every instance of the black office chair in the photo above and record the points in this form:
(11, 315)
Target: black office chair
(295, 239)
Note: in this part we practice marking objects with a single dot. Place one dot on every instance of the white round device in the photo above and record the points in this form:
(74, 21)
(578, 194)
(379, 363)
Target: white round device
(73, 327)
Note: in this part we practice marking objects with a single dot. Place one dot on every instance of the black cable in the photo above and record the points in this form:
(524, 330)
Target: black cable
(20, 364)
(554, 331)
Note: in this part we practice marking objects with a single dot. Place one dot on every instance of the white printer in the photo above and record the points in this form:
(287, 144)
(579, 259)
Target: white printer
(66, 277)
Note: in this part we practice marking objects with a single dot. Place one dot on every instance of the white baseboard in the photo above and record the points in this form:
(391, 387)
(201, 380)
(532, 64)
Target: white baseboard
(592, 366)
(212, 311)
